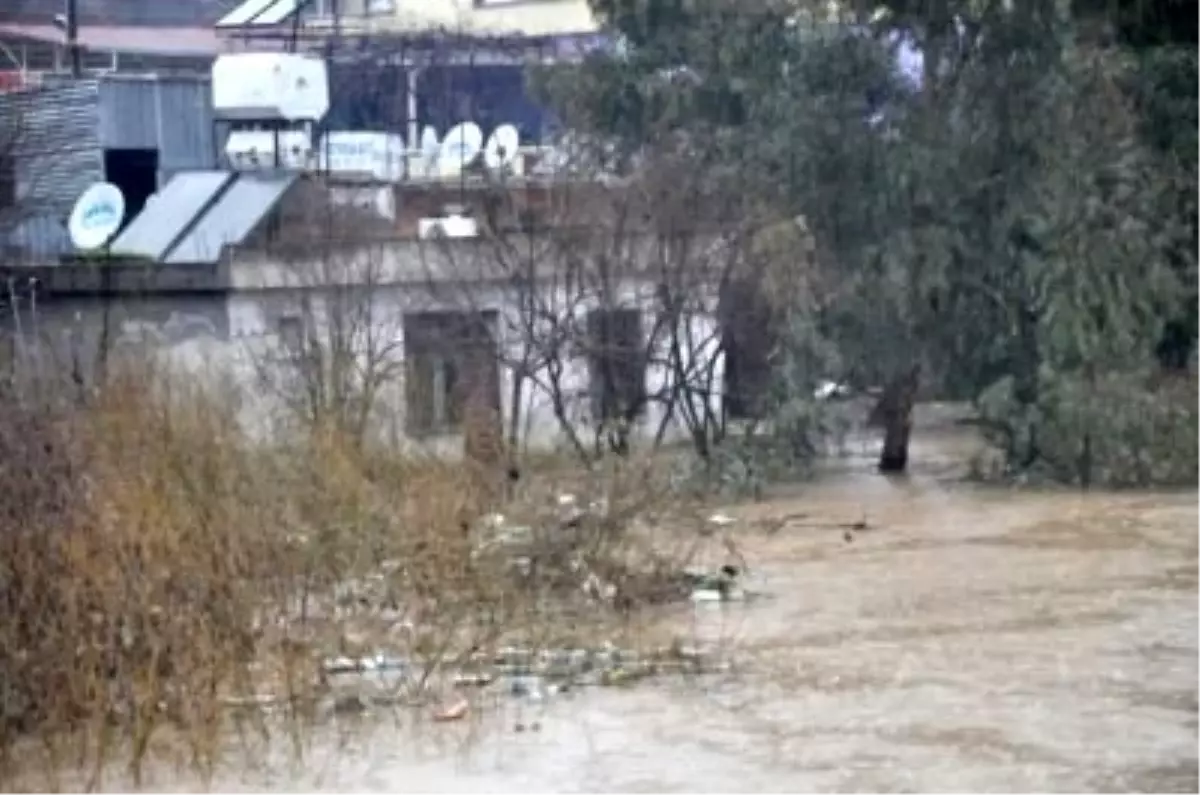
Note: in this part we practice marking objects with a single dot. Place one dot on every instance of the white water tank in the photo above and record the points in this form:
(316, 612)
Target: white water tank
(254, 150)
(270, 86)
(455, 227)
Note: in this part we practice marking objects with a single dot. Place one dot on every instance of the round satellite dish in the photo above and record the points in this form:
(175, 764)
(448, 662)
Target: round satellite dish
(429, 139)
(97, 216)
(459, 148)
(501, 148)
(430, 148)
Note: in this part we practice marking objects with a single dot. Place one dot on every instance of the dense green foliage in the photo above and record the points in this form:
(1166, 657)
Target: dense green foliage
(1022, 224)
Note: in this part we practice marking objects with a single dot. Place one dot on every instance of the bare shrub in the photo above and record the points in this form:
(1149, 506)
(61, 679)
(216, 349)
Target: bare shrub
(159, 565)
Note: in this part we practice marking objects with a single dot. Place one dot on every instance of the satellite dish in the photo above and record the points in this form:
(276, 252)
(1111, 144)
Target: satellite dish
(501, 148)
(430, 147)
(429, 139)
(459, 148)
(97, 216)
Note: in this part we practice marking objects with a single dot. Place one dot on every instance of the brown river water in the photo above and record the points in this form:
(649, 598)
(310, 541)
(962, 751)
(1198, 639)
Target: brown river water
(972, 639)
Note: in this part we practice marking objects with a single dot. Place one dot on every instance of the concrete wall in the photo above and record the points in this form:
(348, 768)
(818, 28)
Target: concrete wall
(51, 135)
(254, 323)
(230, 341)
(235, 335)
(54, 338)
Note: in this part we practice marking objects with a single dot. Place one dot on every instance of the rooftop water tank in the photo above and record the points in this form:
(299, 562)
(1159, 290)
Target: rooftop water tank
(270, 86)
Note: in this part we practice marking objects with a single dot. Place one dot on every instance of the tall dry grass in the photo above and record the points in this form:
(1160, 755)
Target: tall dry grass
(155, 562)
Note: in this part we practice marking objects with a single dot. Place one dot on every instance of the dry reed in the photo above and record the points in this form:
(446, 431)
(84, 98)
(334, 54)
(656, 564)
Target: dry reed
(155, 563)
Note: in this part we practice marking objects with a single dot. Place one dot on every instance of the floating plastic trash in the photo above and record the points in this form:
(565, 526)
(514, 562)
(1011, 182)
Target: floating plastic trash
(455, 711)
(351, 665)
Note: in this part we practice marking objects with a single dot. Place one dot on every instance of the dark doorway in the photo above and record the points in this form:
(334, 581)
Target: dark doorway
(135, 172)
(617, 363)
(748, 337)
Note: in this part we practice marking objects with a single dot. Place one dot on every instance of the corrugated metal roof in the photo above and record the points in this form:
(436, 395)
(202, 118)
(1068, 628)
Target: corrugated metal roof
(56, 147)
(170, 114)
(234, 216)
(168, 215)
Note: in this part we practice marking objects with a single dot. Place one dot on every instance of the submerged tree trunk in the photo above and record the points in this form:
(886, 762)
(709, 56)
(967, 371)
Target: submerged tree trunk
(894, 413)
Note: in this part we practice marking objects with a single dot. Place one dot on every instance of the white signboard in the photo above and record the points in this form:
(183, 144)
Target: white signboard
(379, 155)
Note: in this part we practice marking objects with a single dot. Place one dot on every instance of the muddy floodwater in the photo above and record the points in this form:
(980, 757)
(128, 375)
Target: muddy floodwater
(972, 639)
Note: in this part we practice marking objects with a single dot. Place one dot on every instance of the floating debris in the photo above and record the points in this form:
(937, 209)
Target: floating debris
(352, 704)
(530, 687)
(707, 595)
(718, 586)
(255, 701)
(597, 589)
(351, 665)
(455, 711)
(355, 685)
(473, 679)
(829, 390)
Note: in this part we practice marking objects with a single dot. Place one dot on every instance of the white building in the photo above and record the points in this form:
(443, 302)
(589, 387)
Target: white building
(556, 331)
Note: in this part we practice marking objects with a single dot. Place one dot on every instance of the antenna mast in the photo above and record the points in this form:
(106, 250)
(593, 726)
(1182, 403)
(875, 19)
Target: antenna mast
(73, 38)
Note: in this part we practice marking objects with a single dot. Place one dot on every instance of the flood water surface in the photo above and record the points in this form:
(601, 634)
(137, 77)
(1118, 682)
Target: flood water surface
(969, 639)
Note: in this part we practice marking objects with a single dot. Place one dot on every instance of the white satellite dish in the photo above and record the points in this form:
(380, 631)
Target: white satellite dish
(430, 147)
(97, 216)
(429, 139)
(459, 149)
(502, 147)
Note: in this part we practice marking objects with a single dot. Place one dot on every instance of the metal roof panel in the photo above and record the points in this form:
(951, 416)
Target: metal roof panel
(232, 218)
(281, 11)
(244, 14)
(169, 213)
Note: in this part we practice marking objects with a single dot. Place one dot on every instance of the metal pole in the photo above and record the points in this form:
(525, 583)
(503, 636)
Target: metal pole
(73, 38)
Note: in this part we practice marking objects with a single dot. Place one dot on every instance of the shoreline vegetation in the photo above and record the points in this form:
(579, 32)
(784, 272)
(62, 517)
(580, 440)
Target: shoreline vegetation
(162, 571)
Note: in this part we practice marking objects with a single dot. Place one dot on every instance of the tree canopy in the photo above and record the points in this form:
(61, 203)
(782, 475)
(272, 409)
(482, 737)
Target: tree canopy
(1017, 217)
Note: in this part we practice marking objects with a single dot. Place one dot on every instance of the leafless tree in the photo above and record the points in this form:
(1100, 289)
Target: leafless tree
(619, 278)
(335, 346)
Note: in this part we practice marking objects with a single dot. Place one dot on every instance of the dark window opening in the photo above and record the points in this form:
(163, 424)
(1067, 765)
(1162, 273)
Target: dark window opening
(291, 334)
(747, 340)
(8, 179)
(450, 366)
(135, 172)
(616, 364)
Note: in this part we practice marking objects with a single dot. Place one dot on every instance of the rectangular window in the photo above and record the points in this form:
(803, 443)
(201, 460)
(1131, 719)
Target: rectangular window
(450, 363)
(747, 340)
(8, 177)
(616, 363)
(291, 334)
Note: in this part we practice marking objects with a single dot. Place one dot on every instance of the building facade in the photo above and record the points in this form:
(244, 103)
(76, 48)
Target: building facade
(113, 35)
(57, 139)
(217, 275)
